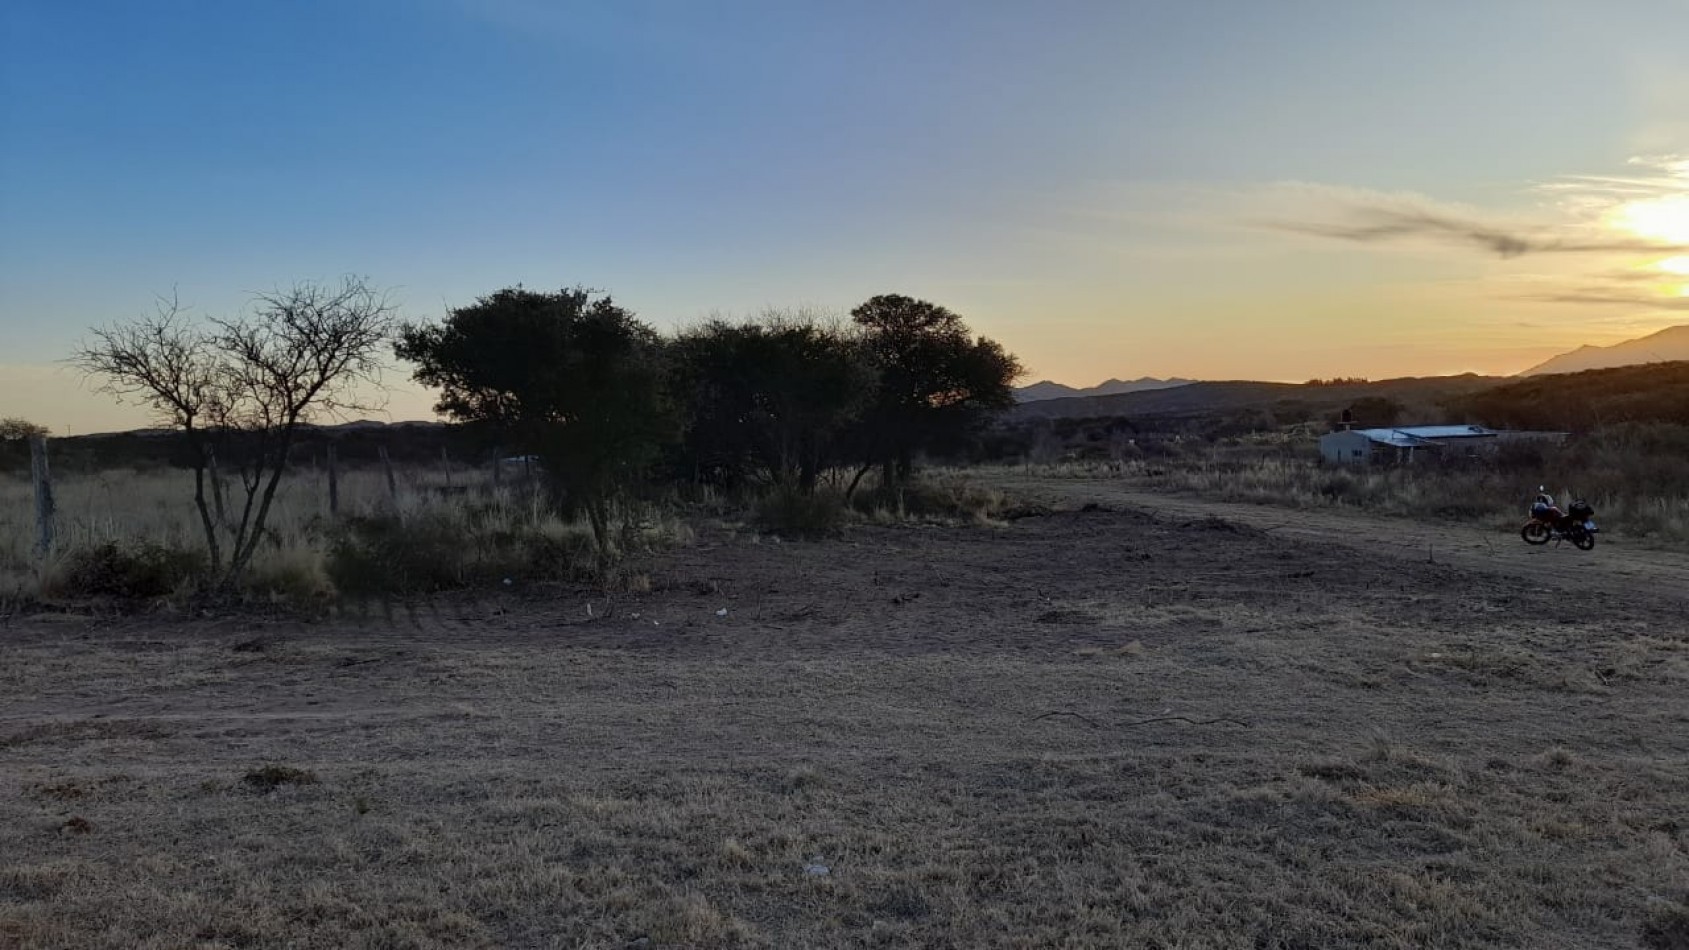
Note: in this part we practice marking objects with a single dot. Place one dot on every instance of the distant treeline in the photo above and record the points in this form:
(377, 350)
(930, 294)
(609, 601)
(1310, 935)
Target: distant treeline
(356, 444)
(1575, 402)
(1606, 399)
(606, 402)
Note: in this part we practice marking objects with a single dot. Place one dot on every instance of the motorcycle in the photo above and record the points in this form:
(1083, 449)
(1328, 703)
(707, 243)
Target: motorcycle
(1548, 523)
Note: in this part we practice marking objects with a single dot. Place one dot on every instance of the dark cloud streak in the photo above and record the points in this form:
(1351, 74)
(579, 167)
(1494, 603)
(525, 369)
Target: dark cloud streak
(1371, 225)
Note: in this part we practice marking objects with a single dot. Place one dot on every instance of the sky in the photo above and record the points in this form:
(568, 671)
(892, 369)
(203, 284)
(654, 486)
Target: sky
(1214, 189)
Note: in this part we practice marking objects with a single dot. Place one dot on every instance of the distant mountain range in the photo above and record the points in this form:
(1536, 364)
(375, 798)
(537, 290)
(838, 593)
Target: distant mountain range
(1668, 345)
(1044, 389)
(1196, 399)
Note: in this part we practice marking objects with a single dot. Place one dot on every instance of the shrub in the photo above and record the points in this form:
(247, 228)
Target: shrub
(1337, 486)
(295, 575)
(431, 551)
(135, 570)
(271, 777)
(786, 510)
(936, 496)
(384, 554)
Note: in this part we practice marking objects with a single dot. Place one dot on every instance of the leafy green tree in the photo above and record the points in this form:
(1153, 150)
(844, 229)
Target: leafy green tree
(938, 385)
(768, 399)
(573, 378)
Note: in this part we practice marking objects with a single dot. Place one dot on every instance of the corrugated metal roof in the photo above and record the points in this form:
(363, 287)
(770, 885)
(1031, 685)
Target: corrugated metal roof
(1392, 437)
(1423, 435)
(1445, 432)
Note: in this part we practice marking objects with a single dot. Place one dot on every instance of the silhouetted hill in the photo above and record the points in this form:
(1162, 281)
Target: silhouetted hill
(1656, 392)
(1045, 389)
(1213, 398)
(356, 443)
(1666, 346)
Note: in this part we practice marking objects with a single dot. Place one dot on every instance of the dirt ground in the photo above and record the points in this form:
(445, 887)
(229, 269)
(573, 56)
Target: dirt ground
(1623, 566)
(1130, 722)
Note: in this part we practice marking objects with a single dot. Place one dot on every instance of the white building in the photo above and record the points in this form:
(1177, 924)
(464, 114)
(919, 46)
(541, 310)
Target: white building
(1361, 446)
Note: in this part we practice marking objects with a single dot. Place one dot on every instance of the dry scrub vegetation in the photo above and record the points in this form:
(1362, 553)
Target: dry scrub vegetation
(129, 534)
(1416, 756)
(1637, 477)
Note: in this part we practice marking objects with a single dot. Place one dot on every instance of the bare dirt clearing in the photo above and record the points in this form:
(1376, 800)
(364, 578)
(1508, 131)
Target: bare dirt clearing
(1422, 755)
(1618, 565)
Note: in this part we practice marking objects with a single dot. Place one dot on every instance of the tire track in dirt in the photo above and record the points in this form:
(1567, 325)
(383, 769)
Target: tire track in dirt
(1618, 568)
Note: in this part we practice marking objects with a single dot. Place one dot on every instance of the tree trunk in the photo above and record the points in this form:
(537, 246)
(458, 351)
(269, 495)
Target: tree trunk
(598, 514)
(213, 548)
(857, 479)
(253, 533)
(809, 466)
(216, 485)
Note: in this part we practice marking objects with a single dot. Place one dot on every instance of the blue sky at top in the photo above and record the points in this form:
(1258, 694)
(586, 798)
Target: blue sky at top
(1076, 178)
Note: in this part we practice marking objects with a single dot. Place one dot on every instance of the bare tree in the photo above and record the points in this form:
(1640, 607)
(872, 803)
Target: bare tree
(246, 385)
(168, 364)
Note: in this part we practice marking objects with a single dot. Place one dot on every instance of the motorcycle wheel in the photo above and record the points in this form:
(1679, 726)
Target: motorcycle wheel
(1535, 532)
(1584, 541)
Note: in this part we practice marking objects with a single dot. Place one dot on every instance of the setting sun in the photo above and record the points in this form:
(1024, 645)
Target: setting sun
(1660, 219)
(1664, 219)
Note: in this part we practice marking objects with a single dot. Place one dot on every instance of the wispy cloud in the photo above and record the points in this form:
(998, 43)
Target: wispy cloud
(1661, 175)
(1373, 217)
(1615, 241)
(1609, 297)
(1368, 225)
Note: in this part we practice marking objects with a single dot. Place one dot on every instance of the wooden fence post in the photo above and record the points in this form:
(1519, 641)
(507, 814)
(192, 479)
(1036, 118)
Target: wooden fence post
(216, 486)
(333, 483)
(446, 460)
(392, 483)
(44, 527)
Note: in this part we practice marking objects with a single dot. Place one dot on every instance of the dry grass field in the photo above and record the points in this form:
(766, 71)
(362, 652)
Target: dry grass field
(1636, 476)
(1096, 727)
(154, 508)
